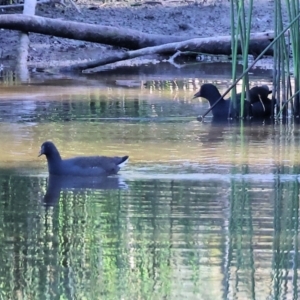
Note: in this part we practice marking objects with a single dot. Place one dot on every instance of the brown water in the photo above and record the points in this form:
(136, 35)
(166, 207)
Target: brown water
(201, 211)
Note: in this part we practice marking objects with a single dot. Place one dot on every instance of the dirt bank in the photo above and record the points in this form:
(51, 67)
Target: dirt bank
(191, 19)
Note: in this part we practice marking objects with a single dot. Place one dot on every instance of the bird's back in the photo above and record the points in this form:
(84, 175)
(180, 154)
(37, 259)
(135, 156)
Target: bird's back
(92, 165)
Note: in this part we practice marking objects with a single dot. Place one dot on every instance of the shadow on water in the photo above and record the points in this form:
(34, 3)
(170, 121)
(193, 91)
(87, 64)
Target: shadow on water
(135, 93)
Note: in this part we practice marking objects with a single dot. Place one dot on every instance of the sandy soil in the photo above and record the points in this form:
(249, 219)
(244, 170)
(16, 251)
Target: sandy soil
(191, 19)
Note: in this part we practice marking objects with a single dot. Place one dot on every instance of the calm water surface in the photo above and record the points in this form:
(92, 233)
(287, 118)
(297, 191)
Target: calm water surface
(201, 211)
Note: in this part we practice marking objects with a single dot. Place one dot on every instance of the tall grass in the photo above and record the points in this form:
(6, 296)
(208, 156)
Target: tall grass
(286, 59)
(281, 79)
(284, 47)
(293, 11)
(240, 34)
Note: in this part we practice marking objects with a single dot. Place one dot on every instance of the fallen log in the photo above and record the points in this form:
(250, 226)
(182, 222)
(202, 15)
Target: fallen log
(189, 45)
(126, 38)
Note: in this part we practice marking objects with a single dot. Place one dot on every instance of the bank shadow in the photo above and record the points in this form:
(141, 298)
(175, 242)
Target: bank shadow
(57, 183)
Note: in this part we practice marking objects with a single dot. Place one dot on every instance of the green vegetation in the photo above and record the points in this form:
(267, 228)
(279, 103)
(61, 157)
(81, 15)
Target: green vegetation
(284, 88)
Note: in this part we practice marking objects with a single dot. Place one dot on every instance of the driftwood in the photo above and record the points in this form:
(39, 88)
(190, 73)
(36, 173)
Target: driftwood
(127, 38)
(189, 45)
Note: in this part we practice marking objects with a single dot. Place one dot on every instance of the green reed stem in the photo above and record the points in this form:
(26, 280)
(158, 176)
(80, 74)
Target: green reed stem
(240, 32)
(245, 40)
(280, 62)
(287, 101)
(293, 9)
(234, 47)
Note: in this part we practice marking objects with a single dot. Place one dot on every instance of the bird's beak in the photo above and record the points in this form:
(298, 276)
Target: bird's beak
(197, 95)
(41, 152)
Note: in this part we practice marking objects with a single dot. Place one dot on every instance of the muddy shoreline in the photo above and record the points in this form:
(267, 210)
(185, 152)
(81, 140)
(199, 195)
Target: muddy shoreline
(190, 19)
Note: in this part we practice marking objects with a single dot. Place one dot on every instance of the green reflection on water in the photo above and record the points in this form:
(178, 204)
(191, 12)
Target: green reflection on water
(155, 239)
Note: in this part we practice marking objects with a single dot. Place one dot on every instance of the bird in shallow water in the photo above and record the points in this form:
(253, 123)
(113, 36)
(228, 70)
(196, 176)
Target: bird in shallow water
(81, 165)
(259, 93)
(259, 105)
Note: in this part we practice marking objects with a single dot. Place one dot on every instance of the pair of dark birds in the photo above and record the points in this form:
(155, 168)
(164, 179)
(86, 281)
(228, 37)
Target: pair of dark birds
(258, 106)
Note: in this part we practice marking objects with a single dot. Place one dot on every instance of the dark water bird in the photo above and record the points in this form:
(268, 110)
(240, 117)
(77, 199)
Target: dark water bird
(81, 165)
(58, 183)
(259, 105)
(259, 93)
(222, 109)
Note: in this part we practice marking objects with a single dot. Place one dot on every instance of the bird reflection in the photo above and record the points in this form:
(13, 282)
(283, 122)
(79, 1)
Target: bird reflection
(217, 130)
(58, 183)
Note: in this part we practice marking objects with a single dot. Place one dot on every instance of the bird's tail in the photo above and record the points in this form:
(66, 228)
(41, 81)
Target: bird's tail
(123, 161)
